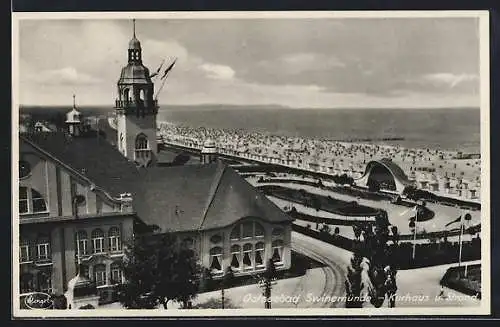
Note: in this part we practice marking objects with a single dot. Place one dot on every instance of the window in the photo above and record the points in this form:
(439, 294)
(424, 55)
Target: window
(142, 150)
(114, 239)
(216, 260)
(250, 255)
(247, 229)
(141, 142)
(236, 233)
(82, 243)
(259, 255)
(247, 256)
(84, 271)
(24, 251)
(31, 201)
(43, 248)
(116, 273)
(24, 169)
(98, 241)
(277, 251)
(235, 257)
(259, 230)
(100, 274)
(23, 200)
(38, 201)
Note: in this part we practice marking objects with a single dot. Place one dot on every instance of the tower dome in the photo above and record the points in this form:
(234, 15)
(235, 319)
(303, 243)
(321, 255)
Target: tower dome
(209, 152)
(134, 44)
(209, 146)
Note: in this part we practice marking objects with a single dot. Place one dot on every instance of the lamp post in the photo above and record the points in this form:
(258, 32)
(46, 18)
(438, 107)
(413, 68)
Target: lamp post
(415, 233)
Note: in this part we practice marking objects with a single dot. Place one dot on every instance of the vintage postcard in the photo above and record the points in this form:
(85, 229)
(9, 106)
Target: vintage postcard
(170, 164)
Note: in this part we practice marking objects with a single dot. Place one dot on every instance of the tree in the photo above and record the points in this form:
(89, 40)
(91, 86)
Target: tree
(157, 269)
(226, 282)
(410, 192)
(353, 283)
(269, 278)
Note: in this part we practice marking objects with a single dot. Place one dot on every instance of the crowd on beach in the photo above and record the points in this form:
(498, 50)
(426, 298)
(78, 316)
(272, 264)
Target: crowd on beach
(326, 155)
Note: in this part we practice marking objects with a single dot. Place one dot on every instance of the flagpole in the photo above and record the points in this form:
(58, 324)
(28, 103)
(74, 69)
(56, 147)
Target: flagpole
(415, 234)
(460, 244)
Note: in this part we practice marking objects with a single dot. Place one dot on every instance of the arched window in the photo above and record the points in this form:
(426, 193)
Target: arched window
(216, 260)
(82, 243)
(247, 230)
(114, 239)
(85, 271)
(24, 251)
(259, 255)
(247, 256)
(100, 275)
(235, 257)
(97, 241)
(236, 233)
(116, 273)
(277, 247)
(141, 142)
(126, 96)
(31, 201)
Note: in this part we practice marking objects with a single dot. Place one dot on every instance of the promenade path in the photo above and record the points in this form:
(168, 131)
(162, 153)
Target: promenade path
(398, 215)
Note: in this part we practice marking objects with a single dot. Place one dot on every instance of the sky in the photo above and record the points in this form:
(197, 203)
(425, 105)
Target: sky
(298, 63)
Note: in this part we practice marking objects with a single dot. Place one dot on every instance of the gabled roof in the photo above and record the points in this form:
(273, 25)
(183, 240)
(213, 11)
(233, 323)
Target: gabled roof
(179, 198)
(92, 157)
(200, 197)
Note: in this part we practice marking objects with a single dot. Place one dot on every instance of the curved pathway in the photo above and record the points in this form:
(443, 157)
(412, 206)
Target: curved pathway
(335, 273)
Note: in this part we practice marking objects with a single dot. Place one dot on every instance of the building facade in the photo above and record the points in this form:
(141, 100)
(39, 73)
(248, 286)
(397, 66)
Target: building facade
(66, 220)
(81, 198)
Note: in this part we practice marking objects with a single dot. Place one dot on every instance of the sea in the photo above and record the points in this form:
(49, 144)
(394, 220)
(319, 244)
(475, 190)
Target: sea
(455, 129)
(443, 129)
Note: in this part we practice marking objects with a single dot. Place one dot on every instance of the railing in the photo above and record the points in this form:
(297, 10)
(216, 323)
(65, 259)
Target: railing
(133, 104)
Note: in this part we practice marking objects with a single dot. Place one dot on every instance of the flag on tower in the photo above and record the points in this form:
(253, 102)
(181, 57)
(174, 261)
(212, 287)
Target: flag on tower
(168, 69)
(158, 70)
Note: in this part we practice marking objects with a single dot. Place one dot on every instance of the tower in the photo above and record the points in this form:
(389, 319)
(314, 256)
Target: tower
(208, 152)
(136, 109)
(74, 122)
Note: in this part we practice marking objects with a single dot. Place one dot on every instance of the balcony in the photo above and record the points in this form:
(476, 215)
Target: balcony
(119, 104)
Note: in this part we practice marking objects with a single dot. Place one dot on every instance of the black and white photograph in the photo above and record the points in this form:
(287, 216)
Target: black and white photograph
(250, 164)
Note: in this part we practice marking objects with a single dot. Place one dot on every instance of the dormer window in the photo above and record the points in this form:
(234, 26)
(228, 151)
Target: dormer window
(31, 201)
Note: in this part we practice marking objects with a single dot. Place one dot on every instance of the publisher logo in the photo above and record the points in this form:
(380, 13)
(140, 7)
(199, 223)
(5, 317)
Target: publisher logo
(38, 300)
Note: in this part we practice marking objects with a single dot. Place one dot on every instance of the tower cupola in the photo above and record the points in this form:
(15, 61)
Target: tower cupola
(209, 151)
(134, 49)
(74, 121)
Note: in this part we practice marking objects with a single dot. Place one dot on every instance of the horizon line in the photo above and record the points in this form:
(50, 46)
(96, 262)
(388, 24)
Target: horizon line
(256, 105)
